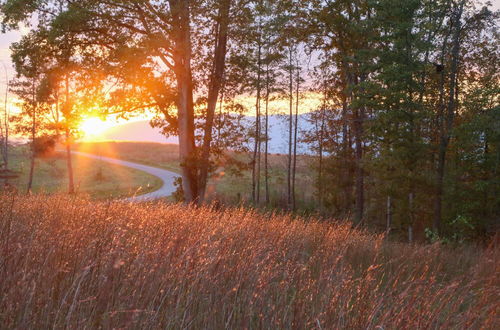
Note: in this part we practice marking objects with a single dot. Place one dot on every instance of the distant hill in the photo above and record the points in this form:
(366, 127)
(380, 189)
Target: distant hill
(136, 131)
(143, 132)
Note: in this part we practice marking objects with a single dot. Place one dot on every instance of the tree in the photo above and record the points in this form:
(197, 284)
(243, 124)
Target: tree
(169, 39)
(29, 61)
(4, 125)
(343, 33)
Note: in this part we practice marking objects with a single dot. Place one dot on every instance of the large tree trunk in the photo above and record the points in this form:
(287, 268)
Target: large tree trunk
(450, 114)
(182, 67)
(216, 79)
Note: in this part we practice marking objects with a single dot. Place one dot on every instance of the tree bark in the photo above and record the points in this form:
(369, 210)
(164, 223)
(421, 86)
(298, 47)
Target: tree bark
(450, 114)
(320, 154)
(71, 184)
(346, 173)
(6, 127)
(359, 115)
(67, 115)
(359, 173)
(216, 79)
(389, 215)
(182, 69)
(290, 131)
(296, 124)
(33, 137)
(266, 142)
(256, 152)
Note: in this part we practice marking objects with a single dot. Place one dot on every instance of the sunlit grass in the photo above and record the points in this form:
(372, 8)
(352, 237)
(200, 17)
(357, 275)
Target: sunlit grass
(73, 263)
(91, 176)
(225, 184)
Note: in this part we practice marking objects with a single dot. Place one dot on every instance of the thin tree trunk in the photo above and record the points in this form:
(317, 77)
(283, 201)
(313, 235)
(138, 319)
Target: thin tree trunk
(213, 93)
(221, 118)
(450, 114)
(71, 184)
(320, 154)
(410, 234)
(347, 175)
(359, 173)
(359, 118)
(346, 172)
(358, 132)
(290, 131)
(440, 130)
(256, 151)
(68, 110)
(411, 211)
(389, 215)
(6, 126)
(266, 142)
(257, 194)
(294, 169)
(2, 144)
(33, 137)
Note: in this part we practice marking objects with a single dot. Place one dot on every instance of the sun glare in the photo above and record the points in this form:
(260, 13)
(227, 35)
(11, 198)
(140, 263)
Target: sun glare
(93, 127)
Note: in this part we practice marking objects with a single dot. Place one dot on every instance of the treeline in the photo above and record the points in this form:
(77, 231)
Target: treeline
(406, 138)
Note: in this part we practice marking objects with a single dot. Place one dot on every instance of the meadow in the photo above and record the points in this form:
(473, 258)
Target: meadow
(92, 177)
(229, 184)
(68, 262)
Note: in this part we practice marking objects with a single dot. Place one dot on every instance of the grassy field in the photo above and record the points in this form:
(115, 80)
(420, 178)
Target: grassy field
(93, 177)
(75, 263)
(225, 184)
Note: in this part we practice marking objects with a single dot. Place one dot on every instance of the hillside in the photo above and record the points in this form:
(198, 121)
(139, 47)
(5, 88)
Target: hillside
(73, 263)
(141, 131)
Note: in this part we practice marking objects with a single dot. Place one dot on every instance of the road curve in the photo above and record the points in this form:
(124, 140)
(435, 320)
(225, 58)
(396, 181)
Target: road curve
(166, 176)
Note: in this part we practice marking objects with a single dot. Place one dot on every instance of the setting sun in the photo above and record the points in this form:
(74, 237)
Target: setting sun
(92, 127)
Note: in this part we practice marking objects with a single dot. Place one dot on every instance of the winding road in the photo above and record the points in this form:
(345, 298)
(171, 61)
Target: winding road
(166, 176)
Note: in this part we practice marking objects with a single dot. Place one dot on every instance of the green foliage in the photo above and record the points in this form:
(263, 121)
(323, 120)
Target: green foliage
(409, 92)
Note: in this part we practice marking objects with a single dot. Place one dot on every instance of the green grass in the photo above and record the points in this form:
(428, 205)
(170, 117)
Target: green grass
(165, 156)
(226, 184)
(92, 177)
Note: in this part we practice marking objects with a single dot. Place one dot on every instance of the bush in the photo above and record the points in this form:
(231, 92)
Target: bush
(45, 146)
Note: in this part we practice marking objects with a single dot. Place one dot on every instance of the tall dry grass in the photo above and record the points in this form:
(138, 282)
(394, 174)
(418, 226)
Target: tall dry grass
(73, 263)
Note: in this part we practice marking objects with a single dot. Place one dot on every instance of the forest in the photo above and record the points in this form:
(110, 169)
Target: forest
(403, 135)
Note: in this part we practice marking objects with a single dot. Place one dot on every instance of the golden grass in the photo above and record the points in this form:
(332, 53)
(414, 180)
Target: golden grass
(74, 263)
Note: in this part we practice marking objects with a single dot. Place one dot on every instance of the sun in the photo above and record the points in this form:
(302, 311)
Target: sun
(93, 127)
